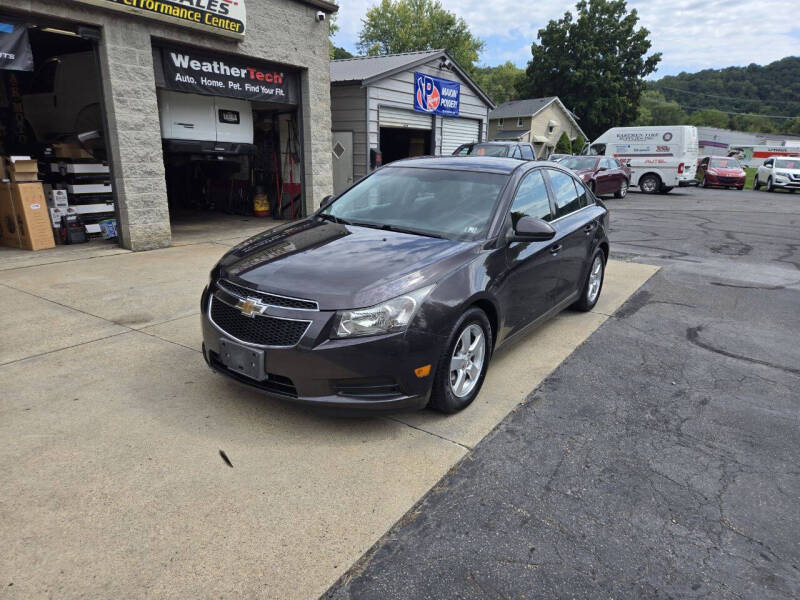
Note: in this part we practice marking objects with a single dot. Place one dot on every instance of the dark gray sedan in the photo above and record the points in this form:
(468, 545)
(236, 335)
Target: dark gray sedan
(395, 294)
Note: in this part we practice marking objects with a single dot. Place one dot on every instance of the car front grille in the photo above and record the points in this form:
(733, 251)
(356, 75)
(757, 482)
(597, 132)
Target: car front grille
(728, 179)
(265, 298)
(260, 330)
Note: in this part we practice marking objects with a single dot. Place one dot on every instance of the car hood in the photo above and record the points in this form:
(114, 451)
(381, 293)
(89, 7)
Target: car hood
(584, 172)
(341, 266)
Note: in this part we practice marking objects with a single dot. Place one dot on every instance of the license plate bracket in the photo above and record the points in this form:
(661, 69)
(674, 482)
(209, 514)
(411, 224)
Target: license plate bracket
(242, 359)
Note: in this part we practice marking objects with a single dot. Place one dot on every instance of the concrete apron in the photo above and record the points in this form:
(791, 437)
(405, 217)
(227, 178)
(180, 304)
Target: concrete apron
(112, 426)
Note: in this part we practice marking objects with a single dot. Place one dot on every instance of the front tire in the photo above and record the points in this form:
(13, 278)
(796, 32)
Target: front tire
(770, 187)
(593, 285)
(650, 184)
(756, 184)
(463, 363)
(623, 189)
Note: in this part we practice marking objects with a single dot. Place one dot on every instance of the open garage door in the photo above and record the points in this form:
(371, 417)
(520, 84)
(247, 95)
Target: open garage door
(457, 131)
(405, 119)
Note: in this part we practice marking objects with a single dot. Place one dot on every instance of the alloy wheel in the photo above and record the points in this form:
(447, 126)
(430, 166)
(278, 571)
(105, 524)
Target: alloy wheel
(466, 363)
(595, 279)
(623, 189)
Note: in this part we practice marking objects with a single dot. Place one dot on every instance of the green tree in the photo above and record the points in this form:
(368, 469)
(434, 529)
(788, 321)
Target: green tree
(595, 62)
(411, 25)
(338, 53)
(654, 109)
(709, 118)
(564, 145)
(501, 82)
(578, 144)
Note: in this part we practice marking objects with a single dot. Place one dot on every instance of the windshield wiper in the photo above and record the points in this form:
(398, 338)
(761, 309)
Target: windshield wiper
(411, 231)
(333, 219)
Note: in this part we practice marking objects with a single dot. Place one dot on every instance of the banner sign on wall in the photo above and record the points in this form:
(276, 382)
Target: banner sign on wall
(436, 96)
(224, 17)
(200, 73)
(15, 47)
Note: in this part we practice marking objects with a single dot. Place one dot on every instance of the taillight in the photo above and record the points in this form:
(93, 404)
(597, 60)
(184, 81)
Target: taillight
(680, 168)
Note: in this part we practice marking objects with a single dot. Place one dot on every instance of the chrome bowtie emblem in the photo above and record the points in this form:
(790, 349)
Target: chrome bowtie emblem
(250, 307)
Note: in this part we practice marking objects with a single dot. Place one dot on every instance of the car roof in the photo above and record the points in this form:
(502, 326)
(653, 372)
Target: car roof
(486, 164)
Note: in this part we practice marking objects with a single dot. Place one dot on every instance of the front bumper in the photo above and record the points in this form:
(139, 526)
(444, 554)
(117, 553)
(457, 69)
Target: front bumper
(723, 181)
(786, 183)
(361, 374)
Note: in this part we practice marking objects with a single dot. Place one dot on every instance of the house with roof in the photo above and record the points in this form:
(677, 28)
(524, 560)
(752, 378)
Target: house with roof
(384, 108)
(540, 121)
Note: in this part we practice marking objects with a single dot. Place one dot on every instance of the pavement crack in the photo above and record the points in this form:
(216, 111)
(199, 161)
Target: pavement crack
(441, 437)
(693, 336)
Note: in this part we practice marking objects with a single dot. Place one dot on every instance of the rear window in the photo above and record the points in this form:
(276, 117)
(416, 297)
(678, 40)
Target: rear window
(489, 150)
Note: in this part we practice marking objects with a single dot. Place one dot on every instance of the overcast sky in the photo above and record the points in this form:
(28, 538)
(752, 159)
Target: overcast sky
(691, 34)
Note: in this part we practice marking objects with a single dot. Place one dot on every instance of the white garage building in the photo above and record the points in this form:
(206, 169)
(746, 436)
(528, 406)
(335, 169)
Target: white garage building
(401, 105)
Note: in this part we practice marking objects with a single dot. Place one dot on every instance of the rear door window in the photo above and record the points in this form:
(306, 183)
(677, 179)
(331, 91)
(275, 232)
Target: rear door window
(565, 192)
(527, 152)
(531, 199)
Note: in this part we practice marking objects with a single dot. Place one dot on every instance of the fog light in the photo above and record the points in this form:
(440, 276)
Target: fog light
(422, 371)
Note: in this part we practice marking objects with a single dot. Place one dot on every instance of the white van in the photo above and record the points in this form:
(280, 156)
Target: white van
(660, 157)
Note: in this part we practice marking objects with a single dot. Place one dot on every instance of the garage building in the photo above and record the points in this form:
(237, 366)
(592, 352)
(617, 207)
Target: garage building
(385, 108)
(153, 112)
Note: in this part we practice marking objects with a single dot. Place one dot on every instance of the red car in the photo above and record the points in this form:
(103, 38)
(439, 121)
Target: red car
(604, 175)
(721, 171)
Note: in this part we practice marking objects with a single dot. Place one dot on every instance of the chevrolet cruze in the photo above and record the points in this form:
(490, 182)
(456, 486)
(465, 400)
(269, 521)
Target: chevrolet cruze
(395, 294)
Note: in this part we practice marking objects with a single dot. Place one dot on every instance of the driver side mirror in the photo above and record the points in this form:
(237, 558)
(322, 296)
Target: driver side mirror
(326, 201)
(531, 229)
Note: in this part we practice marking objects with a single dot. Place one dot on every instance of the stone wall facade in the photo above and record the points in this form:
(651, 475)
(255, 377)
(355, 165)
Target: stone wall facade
(280, 31)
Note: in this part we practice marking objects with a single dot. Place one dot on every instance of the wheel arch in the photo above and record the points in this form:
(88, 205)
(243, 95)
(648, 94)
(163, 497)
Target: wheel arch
(653, 173)
(489, 308)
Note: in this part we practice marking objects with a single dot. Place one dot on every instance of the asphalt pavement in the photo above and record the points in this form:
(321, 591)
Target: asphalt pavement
(660, 460)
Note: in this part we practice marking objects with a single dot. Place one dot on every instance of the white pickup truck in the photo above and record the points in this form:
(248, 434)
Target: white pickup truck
(778, 172)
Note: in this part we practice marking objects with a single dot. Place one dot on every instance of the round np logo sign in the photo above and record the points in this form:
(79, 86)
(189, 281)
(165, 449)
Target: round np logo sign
(667, 136)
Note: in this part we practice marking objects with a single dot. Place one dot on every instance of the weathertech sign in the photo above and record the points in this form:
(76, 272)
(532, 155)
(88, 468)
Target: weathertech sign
(200, 73)
(225, 17)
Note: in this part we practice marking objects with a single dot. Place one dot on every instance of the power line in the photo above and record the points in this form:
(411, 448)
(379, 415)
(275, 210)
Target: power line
(727, 112)
(664, 87)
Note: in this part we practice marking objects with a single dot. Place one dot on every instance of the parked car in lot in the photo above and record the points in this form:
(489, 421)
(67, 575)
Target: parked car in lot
(721, 171)
(519, 150)
(558, 157)
(396, 293)
(778, 173)
(603, 175)
(660, 157)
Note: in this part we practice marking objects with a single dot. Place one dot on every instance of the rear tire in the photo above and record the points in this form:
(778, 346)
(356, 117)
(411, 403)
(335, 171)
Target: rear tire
(444, 396)
(593, 285)
(666, 189)
(650, 184)
(623, 189)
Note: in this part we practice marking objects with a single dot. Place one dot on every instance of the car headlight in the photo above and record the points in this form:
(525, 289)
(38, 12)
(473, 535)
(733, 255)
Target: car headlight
(386, 317)
(781, 174)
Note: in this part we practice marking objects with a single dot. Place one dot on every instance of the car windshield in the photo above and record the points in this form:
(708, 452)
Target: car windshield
(787, 163)
(489, 150)
(724, 163)
(579, 163)
(452, 204)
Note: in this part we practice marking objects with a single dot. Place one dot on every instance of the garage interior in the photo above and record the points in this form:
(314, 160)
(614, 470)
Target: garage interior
(60, 128)
(399, 143)
(252, 181)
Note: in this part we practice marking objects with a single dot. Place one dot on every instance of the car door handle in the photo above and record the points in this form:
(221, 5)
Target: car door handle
(555, 249)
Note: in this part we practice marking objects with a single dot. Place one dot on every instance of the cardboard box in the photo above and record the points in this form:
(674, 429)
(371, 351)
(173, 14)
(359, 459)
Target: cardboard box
(25, 219)
(67, 150)
(22, 168)
(59, 199)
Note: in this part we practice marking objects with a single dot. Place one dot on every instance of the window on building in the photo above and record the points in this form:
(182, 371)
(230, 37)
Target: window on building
(500, 123)
(519, 121)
